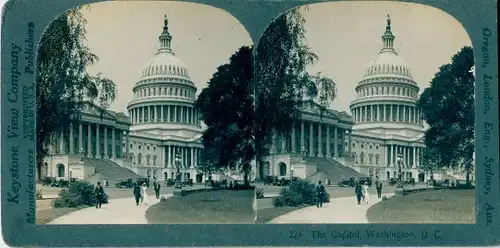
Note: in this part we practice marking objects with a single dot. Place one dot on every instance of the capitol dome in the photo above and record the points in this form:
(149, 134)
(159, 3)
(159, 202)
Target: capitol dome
(165, 63)
(386, 95)
(164, 95)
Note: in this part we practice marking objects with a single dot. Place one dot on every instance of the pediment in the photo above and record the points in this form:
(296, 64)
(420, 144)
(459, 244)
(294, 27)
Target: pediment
(314, 108)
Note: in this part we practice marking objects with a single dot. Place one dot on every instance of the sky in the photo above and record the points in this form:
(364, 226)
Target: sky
(124, 35)
(345, 36)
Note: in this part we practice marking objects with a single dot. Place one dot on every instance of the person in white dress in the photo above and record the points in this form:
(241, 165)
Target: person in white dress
(366, 194)
(144, 193)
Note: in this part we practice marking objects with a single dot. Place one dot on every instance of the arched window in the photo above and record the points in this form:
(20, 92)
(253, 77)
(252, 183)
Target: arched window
(61, 170)
(139, 158)
(377, 157)
(370, 158)
(282, 167)
(154, 160)
(362, 158)
(147, 159)
(355, 157)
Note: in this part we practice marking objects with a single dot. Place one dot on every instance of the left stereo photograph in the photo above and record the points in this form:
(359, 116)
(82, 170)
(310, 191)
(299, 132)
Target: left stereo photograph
(125, 95)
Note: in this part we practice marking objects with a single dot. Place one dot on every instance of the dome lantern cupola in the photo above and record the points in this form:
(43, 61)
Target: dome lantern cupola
(165, 38)
(388, 37)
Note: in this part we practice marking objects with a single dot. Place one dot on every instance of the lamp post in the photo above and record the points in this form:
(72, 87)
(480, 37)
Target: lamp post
(304, 153)
(81, 155)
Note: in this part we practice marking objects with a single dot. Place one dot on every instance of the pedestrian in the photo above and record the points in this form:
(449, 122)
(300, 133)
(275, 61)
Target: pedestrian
(137, 193)
(378, 186)
(144, 193)
(358, 191)
(320, 194)
(366, 194)
(99, 195)
(156, 187)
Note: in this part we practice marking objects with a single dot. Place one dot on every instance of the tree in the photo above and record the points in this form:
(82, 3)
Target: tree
(63, 83)
(282, 81)
(448, 108)
(226, 107)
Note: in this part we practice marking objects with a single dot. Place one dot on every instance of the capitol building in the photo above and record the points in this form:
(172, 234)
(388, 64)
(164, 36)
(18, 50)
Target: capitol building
(385, 129)
(160, 135)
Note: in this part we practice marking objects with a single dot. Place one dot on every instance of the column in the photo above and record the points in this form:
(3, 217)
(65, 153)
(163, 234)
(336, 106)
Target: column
(106, 155)
(89, 140)
(349, 142)
(97, 142)
(113, 141)
(168, 113)
(175, 114)
(404, 112)
(372, 113)
(61, 143)
(390, 113)
(181, 108)
(320, 141)
(294, 143)
(283, 144)
(127, 145)
(192, 157)
(311, 138)
(169, 160)
(71, 139)
(328, 141)
(335, 142)
(393, 149)
(195, 156)
(387, 150)
(80, 137)
(142, 115)
(156, 113)
(302, 136)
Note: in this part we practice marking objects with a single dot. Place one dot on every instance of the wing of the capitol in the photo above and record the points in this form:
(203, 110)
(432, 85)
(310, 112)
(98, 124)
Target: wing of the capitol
(161, 132)
(384, 132)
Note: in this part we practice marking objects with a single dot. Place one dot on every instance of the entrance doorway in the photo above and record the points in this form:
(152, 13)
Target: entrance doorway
(421, 177)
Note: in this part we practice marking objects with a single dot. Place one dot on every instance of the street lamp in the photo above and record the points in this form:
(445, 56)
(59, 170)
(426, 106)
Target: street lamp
(178, 176)
(304, 153)
(81, 154)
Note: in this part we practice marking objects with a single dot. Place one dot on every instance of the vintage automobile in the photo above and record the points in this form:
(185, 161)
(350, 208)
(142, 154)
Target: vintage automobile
(47, 181)
(269, 180)
(126, 183)
(392, 181)
(411, 181)
(346, 182)
(143, 180)
(170, 182)
(187, 182)
(363, 180)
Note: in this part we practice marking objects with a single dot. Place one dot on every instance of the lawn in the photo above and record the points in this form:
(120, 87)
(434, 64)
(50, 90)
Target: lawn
(45, 216)
(265, 215)
(428, 207)
(214, 207)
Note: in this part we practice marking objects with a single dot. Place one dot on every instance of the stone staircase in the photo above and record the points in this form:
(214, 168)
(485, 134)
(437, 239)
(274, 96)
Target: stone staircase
(328, 168)
(108, 170)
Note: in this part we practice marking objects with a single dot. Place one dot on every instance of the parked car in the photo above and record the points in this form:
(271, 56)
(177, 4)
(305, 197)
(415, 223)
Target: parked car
(346, 182)
(143, 180)
(187, 182)
(170, 182)
(47, 181)
(269, 180)
(392, 181)
(127, 183)
(363, 180)
(411, 181)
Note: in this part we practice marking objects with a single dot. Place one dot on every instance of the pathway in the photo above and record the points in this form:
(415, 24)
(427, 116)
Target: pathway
(117, 211)
(342, 210)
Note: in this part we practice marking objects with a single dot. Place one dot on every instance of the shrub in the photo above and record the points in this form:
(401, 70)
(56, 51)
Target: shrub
(259, 193)
(299, 192)
(78, 194)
